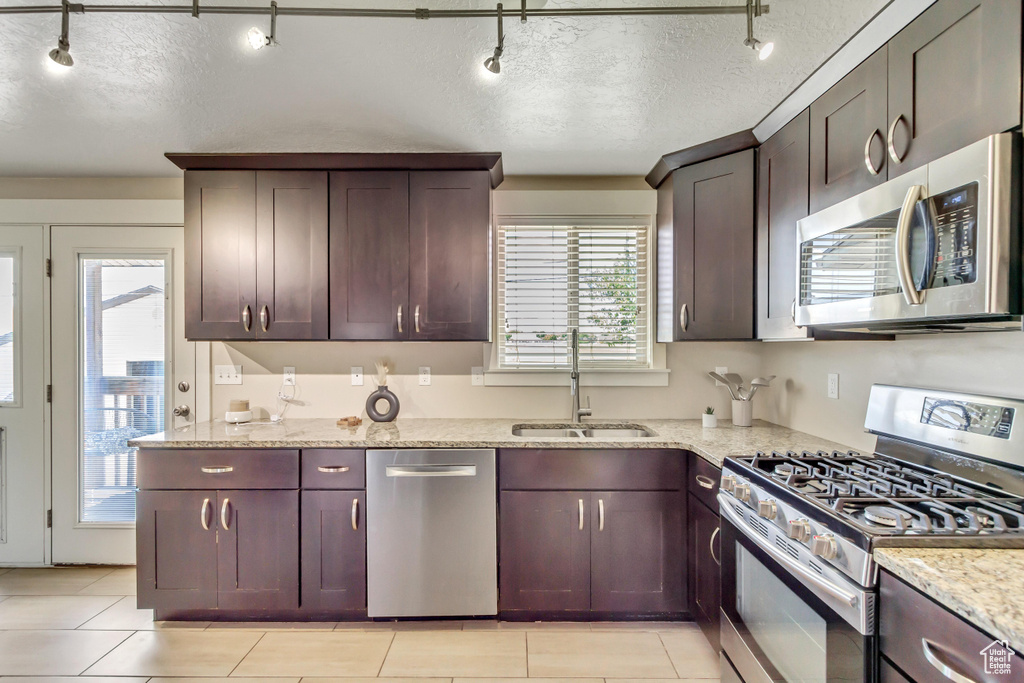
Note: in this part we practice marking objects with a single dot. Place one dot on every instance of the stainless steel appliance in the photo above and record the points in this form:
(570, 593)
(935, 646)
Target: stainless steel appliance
(431, 523)
(936, 249)
(799, 584)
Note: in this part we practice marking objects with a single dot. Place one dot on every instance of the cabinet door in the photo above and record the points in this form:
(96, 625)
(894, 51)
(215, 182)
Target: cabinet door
(370, 255)
(954, 78)
(637, 551)
(713, 250)
(333, 550)
(449, 255)
(781, 201)
(703, 556)
(545, 551)
(291, 247)
(848, 135)
(176, 535)
(220, 255)
(258, 550)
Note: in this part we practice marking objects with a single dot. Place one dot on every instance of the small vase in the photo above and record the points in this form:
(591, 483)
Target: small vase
(742, 413)
(709, 421)
(382, 393)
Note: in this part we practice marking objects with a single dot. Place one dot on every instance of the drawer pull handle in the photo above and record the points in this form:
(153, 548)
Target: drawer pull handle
(204, 514)
(711, 545)
(217, 470)
(581, 514)
(331, 470)
(224, 514)
(705, 482)
(931, 653)
(600, 514)
(355, 514)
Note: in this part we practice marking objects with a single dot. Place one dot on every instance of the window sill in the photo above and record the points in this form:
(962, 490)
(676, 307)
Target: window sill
(625, 377)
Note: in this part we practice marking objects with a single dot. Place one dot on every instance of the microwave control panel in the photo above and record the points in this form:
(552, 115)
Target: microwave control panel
(955, 216)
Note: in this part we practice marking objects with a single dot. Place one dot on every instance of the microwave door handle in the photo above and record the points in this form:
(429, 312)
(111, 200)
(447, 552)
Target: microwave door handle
(797, 569)
(906, 278)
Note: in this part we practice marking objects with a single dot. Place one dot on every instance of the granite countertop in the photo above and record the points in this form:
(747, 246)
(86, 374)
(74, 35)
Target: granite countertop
(985, 587)
(711, 444)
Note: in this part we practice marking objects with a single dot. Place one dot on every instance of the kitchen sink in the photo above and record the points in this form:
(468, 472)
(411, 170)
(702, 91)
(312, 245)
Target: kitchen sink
(621, 431)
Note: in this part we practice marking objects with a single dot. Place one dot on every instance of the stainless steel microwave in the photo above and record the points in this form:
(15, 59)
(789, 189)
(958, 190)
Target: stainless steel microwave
(936, 249)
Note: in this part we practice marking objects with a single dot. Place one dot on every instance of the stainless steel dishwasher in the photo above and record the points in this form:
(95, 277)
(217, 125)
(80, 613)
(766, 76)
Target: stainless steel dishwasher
(431, 524)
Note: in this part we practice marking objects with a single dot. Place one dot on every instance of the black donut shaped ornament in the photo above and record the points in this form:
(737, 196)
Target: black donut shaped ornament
(393, 405)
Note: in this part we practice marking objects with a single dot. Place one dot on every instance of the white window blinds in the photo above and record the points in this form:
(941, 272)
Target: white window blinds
(553, 278)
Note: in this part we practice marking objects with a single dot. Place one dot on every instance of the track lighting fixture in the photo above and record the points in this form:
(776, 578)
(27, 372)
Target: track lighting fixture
(493, 63)
(764, 50)
(257, 38)
(61, 55)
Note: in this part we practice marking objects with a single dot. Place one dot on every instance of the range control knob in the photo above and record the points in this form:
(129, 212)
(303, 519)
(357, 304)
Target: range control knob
(728, 483)
(742, 492)
(767, 509)
(825, 547)
(799, 530)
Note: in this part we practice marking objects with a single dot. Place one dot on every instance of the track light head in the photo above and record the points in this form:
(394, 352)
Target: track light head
(493, 63)
(764, 50)
(61, 56)
(257, 38)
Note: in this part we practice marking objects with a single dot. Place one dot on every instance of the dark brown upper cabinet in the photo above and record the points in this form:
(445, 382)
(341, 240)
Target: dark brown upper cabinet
(220, 249)
(954, 78)
(782, 181)
(847, 137)
(706, 249)
(449, 262)
(369, 238)
(255, 255)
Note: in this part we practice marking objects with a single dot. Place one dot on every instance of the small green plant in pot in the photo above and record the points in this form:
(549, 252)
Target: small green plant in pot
(709, 419)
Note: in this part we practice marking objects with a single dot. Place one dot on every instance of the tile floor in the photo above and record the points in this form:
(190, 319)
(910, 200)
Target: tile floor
(60, 623)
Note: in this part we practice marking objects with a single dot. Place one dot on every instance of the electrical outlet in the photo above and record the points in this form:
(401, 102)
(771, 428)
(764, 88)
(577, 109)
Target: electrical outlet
(478, 376)
(425, 376)
(357, 375)
(833, 385)
(227, 374)
(720, 371)
(289, 376)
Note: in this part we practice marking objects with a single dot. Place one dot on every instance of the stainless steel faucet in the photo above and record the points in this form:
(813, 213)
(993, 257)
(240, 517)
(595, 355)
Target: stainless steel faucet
(574, 381)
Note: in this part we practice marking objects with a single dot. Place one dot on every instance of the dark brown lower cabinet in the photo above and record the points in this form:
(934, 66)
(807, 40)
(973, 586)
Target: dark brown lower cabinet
(333, 550)
(703, 558)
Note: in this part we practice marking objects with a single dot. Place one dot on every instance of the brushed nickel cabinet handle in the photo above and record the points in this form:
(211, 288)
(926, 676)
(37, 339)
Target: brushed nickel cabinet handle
(355, 514)
(931, 653)
(581, 514)
(600, 514)
(684, 317)
(264, 317)
(711, 545)
(224, 514)
(204, 514)
(867, 153)
(246, 318)
(332, 470)
(416, 318)
(705, 482)
(399, 318)
(891, 143)
(792, 312)
(216, 470)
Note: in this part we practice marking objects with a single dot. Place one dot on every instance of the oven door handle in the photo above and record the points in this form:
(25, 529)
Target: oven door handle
(783, 559)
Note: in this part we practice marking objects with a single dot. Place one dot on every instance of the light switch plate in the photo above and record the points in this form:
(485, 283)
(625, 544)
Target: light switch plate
(289, 376)
(227, 374)
(425, 376)
(357, 375)
(721, 371)
(478, 376)
(833, 385)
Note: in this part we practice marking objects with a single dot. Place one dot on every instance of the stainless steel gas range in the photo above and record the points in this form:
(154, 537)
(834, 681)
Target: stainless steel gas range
(799, 584)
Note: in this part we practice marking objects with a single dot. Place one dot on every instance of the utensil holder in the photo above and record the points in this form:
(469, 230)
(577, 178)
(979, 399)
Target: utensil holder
(742, 413)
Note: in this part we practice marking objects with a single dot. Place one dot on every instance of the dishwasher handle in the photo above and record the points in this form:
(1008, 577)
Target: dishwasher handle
(430, 470)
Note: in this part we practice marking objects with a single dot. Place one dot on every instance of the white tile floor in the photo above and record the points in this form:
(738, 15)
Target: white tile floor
(80, 625)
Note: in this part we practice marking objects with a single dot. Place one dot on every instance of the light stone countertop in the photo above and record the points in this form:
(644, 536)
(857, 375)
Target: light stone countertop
(711, 444)
(985, 587)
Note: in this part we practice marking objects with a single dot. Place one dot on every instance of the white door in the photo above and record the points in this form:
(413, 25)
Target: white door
(22, 395)
(121, 368)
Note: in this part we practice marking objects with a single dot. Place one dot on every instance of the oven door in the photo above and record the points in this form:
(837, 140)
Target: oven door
(780, 626)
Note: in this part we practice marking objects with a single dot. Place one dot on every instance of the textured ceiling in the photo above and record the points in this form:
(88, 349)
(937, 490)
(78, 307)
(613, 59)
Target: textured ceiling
(575, 96)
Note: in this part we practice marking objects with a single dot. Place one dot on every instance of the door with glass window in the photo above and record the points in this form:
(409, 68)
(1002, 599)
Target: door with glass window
(121, 370)
(22, 395)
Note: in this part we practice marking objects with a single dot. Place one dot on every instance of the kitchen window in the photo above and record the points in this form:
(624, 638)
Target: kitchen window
(559, 274)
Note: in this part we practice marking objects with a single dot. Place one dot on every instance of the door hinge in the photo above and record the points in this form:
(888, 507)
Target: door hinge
(49, 519)
(49, 268)
(49, 393)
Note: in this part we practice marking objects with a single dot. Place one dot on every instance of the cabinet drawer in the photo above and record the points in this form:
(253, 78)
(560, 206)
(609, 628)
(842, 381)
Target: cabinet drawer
(601, 469)
(333, 468)
(910, 622)
(701, 475)
(218, 468)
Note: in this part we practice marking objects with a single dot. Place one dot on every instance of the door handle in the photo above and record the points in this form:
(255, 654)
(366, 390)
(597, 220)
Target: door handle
(182, 411)
(246, 318)
(711, 545)
(416, 318)
(705, 482)
(867, 153)
(581, 514)
(906, 279)
(224, 514)
(399, 318)
(931, 653)
(355, 514)
(204, 514)
(332, 470)
(264, 317)
(600, 514)
(684, 317)
(891, 143)
(430, 471)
